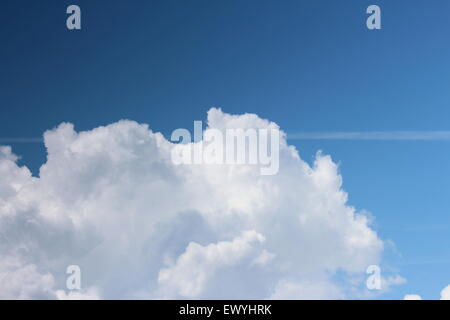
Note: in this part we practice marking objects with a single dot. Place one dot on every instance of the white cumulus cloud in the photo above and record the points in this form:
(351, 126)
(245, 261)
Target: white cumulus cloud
(111, 201)
(412, 297)
(198, 264)
(445, 293)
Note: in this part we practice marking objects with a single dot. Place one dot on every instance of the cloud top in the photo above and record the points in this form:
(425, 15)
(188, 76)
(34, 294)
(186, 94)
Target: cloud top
(111, 201)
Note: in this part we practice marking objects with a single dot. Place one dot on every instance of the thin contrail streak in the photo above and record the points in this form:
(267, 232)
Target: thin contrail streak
(373, 135)
(338, 135)
(21, 140)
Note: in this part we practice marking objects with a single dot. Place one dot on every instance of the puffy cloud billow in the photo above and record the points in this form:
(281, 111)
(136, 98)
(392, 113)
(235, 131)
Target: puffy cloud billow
(111, 201)
(445, 295)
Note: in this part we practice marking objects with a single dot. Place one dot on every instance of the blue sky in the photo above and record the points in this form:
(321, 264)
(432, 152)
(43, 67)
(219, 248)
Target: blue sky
(310, 66)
